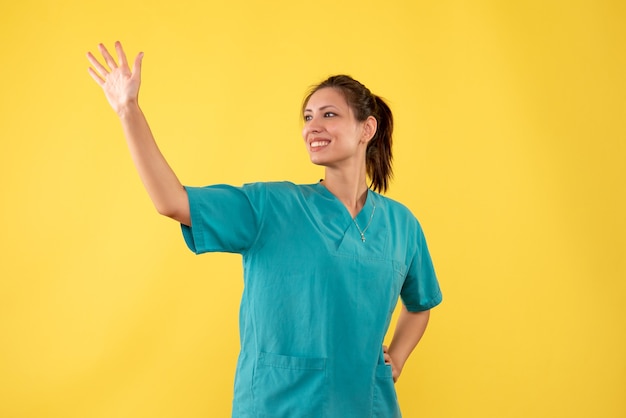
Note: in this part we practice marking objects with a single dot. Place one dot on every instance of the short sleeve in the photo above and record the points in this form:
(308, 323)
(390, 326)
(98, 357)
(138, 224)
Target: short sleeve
(421, 291)
(223, 218)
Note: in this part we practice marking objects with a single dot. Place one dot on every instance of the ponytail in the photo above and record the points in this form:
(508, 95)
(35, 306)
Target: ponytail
(379, 156)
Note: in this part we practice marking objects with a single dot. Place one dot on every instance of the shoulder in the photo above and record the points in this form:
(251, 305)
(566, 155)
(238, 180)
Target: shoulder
(253, 191)
(398, 214)
(393, 207)
(278, 188)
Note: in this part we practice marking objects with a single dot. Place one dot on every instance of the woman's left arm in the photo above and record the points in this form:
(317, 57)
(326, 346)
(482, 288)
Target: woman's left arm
(409, 330)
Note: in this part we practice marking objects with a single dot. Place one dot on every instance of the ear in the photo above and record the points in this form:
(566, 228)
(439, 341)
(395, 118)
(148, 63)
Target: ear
(369, 128)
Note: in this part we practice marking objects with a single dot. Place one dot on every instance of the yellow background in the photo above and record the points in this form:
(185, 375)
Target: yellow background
(510, 148)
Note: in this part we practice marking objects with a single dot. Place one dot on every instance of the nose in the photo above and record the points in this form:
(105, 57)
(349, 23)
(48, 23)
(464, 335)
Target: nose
(312, 126)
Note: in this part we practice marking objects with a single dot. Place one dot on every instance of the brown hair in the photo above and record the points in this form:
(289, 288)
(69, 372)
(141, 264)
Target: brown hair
(378, 156)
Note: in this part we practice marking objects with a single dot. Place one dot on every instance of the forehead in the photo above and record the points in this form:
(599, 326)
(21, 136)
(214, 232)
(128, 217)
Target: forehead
(327, 96)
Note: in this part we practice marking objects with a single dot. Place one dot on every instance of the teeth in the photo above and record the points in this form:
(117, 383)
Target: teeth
(319, 143)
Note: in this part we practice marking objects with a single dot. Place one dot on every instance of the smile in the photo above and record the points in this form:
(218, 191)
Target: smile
(319, 144)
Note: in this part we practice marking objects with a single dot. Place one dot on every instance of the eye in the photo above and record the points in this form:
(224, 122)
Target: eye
(329, 114)
(307, 118)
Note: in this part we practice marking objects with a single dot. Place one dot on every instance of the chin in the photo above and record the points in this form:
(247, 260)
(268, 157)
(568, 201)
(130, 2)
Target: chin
(317, 161)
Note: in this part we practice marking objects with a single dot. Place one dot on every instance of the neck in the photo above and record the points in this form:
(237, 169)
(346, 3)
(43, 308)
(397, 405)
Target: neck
(350, 190)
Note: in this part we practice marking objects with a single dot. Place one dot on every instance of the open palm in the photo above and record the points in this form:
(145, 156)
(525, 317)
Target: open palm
(119, 83)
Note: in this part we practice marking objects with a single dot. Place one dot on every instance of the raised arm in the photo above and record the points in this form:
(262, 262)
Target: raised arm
(121, 88)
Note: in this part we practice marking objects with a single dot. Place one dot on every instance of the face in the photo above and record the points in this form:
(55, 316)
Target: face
(331, 133)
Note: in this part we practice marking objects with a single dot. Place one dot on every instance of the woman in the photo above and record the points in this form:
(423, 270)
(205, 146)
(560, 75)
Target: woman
(324, 263)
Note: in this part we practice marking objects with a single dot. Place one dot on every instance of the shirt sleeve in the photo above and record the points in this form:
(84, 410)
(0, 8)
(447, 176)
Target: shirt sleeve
(421, 291)
(223, 218)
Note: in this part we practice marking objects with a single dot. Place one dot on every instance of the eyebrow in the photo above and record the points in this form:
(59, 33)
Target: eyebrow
(322, 108)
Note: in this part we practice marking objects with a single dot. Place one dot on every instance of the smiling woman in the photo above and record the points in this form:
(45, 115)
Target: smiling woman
(324, 263)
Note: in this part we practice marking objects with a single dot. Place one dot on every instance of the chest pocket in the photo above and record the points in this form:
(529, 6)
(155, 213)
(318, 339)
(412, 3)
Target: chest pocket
(374, 284)
(286, 386)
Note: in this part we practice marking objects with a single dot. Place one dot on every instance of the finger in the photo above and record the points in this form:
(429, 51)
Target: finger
(97, 64)
(95, 76)
(107, 57)
(137, 65)
(385, 348)
(121, 55)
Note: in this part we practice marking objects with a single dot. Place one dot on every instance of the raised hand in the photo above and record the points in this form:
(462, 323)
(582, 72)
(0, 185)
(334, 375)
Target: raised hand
(119, 83)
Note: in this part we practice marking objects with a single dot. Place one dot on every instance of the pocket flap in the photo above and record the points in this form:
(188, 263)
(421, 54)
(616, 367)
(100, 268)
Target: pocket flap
(294, 363)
